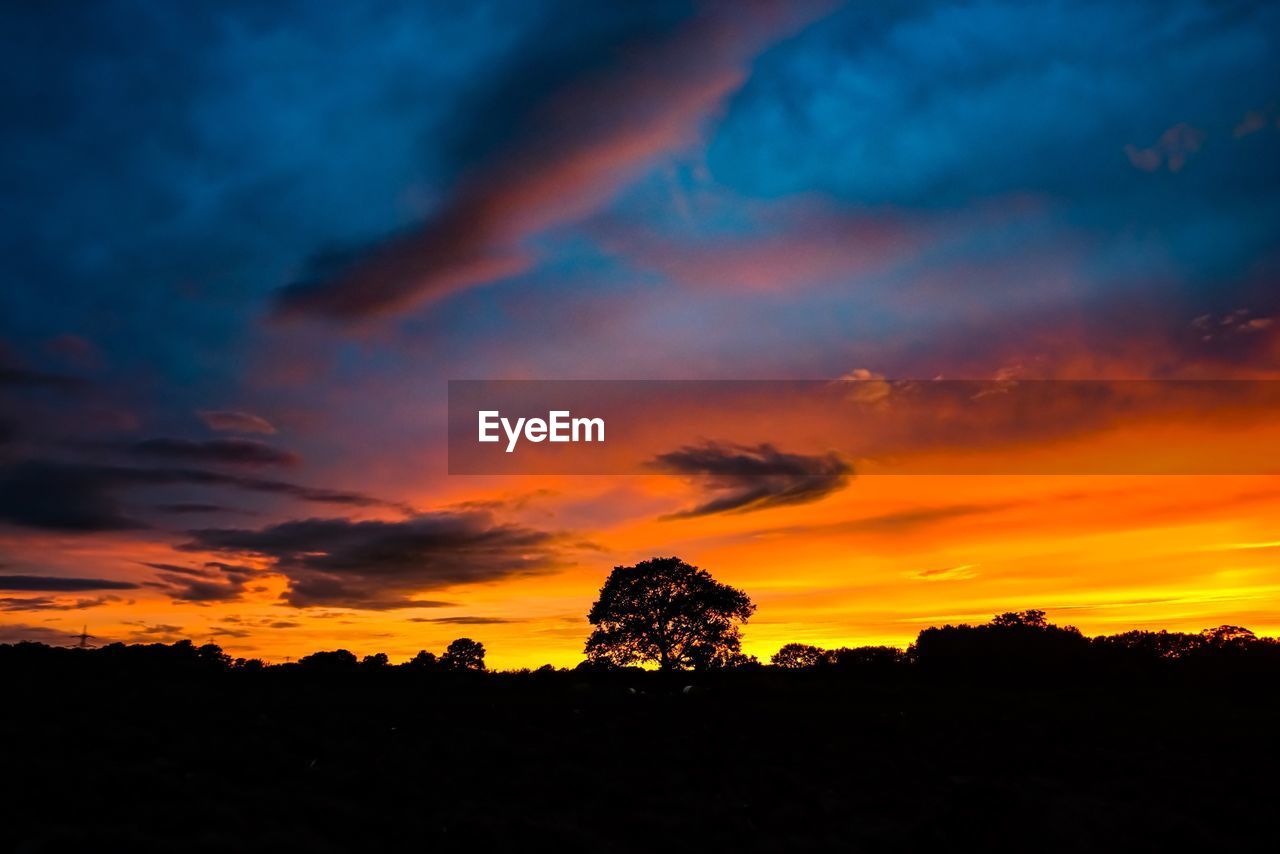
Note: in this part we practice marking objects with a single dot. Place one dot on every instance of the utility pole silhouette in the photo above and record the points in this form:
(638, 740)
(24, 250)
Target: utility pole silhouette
(84, 638)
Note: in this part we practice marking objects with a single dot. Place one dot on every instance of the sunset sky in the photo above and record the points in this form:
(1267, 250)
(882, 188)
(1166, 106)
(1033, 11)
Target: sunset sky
(247, 246)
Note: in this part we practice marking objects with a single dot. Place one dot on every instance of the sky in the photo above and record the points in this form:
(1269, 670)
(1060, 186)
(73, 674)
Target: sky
(247, 246)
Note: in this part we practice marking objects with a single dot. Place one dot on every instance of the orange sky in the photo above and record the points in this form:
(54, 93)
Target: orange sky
(872, 564)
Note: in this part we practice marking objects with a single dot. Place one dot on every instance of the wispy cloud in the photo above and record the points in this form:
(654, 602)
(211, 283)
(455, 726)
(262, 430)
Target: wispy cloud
(949, 573)
(383, 564)
(580, 143)
(745, 479)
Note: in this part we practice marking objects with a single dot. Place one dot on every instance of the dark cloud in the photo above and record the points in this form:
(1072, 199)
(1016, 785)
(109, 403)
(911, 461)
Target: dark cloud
(260, 623)
(234, 421)
(249, 452)
(465, 621)
(191, 508)
(50, 603)
(81, 496)
(63, 497)
(18, 632)
(22, 378)
(896, 523)
(212, 582)
(154, 632)
(743, 478)
(176, 568)
(569, 149)
(61, 584)
(381, 564)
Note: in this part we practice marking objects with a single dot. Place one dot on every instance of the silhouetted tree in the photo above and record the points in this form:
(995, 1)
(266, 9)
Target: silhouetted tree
(1033, 618)
(870, 660)
(377, 661)
(1141, 646)
(329, 661)
(796, 656)
(1015, 644)
(1228, 636)
(422, 661)
(666, 611)
(463, 654)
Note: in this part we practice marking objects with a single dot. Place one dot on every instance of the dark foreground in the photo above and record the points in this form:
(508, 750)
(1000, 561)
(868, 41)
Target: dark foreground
(755, 760)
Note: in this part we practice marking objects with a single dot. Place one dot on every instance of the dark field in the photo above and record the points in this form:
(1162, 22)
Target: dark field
(206, 758)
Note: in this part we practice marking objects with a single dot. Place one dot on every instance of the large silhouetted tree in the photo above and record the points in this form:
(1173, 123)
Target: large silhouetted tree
(665, 611)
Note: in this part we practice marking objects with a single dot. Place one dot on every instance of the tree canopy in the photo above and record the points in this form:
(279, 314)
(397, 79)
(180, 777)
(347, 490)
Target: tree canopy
(667, 612)
(797, 656)
(463, 654)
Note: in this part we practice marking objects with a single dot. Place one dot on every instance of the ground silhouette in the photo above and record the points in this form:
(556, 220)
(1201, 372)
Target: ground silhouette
(1010, 734)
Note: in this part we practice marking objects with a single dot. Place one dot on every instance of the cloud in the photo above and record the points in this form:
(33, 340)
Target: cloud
(1256, 120)
(75, 350)
(214, 582)
(1212, 327)
(187, 508)
(465, 621)
(235, 421)
(249, 452)
(51, 603)
(866, 387)
(19, 632)
(81, 496)
(745, 479)
(950, 573)
(382, 564)
(20, 377)
(1174, 147)
(896, 523)
(789, 245)
(261, 622)
(61, 584)
(154, 632)
(577, 145)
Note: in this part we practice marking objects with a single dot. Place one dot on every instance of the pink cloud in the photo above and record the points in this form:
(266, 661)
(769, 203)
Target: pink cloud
(1174, 147)
(815, 248)
(653, 101)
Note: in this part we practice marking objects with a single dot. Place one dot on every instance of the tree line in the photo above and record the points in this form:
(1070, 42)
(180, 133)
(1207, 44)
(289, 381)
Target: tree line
(669, 615)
